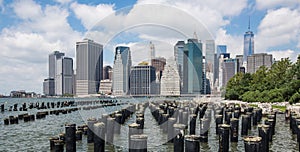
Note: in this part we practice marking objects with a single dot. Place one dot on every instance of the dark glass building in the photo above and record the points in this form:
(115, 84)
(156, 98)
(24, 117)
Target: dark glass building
(142, 80)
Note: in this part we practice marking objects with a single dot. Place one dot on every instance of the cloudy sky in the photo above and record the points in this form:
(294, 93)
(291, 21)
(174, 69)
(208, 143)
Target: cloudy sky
(30, 30)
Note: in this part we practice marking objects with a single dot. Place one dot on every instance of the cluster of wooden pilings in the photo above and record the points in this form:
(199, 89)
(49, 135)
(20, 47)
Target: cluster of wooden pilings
(32, 117)
(55, 108)
(37, 105)
(294, 119)
(98, 131)
(179, 119)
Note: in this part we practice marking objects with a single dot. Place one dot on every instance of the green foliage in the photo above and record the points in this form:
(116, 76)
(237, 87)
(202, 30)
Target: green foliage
(281, 108)
(279, 83)
(295, 98)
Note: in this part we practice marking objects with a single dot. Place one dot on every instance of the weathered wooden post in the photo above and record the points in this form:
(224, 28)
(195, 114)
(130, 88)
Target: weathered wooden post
(192, 143)
(58, 145)
(263, 132)
(110, 130)
(179, 132)
(138, 143)
(90, 131)
(245, 125)
(219, 120)
(224, 138)
(193, 119)
(99, 136)
(234, 132)
(70, 137)
(252, 144)
(171, 122)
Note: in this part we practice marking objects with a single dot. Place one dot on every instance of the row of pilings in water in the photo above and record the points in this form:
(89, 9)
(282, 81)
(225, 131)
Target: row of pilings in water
(36, 105)
(98, 131)
(63, 108)
(178, 121)
(51, 105)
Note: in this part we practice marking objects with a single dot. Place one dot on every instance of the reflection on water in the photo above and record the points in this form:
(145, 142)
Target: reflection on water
(33, 136)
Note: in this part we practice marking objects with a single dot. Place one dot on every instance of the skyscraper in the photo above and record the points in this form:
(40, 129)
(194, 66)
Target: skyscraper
(152, 51)
(178, 53)
(248, 43)
(121, 71)
(64, 76)
(159, 65)
(192, 67)
(170, 80)
(221, 49)
(210, 61)
(106, 71)
(142, 80)
(53, 57)
(50, 81)
(229, 69)
(49, 87)
(255, 61)
(89, 67)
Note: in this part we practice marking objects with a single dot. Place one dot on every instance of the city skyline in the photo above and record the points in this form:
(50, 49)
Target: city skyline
(22, 31)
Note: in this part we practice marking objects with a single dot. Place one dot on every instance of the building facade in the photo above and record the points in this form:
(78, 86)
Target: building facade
(178, 54)
(221, 49)
(255, 61)
(142, 80)
(170, 80)
(52, 61)
(121, 71)
(229, 68)
(49, 87)
(53, 57)
(64, 76)
(105, 87)
(248, 44)
(89, 67)
(107, 72)
(210, 61)
(159, 65)
(192, 67)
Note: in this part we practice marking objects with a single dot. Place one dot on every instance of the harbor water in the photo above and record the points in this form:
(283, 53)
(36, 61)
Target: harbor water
(34, 135)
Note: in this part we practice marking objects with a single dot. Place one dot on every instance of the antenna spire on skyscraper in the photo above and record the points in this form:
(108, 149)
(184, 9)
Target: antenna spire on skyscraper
(249, 24)
(195, 35)
(152, 51)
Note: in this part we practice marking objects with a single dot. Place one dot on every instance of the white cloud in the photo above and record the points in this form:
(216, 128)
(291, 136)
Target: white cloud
(140, 50)
(266, 4)
(27, 9)
(26, 45)
(278, 27)
(234, 43)
(279, 54)
(63, 1)
(90, 15)
(210, 13)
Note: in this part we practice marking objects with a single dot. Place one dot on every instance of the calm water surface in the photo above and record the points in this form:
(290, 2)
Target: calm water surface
(34, 135)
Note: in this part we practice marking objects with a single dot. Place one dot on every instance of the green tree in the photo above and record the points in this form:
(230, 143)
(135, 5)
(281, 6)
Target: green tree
(295, 98)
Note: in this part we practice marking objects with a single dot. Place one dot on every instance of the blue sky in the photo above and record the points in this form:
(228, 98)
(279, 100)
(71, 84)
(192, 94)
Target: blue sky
(31, 29)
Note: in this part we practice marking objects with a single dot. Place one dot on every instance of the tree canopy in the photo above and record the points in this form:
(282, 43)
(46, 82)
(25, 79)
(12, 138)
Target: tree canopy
(279, 83)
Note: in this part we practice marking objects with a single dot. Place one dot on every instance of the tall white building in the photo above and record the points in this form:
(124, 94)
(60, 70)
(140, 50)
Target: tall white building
(64, 76)
(152, 51)
(170, 80)
(121, 71)
(89, 67)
